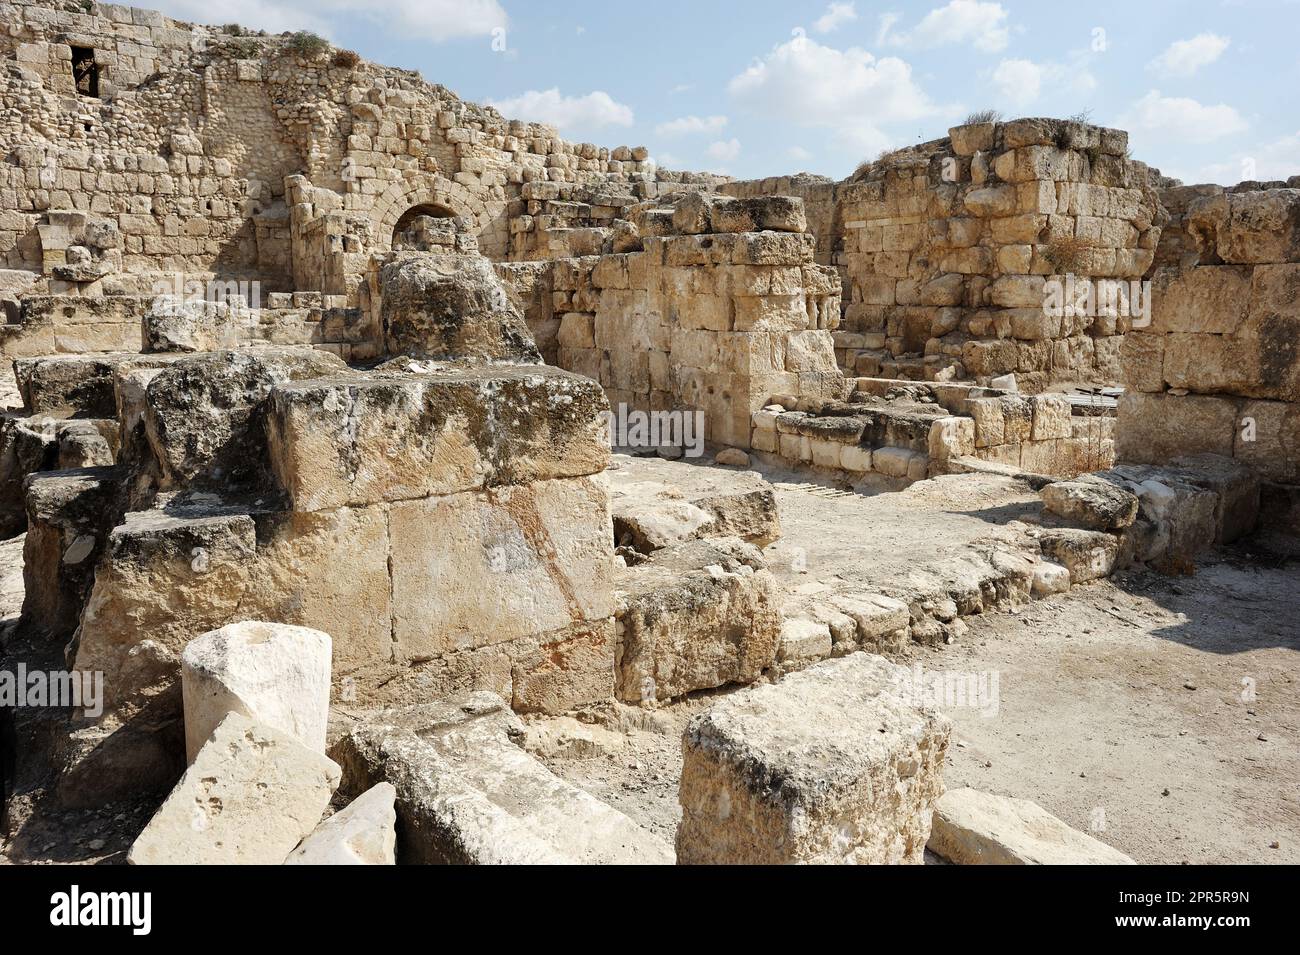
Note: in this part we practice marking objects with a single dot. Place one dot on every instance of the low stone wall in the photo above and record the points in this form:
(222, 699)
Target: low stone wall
(75, 325)
(891, 433)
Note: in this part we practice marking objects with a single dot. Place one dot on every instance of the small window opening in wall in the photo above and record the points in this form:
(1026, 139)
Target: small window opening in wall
(85, 73)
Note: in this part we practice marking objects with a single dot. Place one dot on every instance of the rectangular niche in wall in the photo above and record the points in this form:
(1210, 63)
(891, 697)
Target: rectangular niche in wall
(85, 73)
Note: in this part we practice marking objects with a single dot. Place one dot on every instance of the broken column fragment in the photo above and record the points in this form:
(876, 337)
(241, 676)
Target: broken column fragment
(362, 833)
(275, 674)
(831, 765)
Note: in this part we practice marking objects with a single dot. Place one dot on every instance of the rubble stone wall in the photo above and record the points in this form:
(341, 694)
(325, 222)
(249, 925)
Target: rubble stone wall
(1218, 369)
(214, 152)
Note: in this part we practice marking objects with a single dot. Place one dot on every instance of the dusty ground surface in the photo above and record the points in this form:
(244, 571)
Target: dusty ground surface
(1120, 709)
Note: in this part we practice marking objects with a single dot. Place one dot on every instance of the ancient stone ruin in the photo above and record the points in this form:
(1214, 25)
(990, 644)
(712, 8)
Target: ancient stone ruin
(422, 487)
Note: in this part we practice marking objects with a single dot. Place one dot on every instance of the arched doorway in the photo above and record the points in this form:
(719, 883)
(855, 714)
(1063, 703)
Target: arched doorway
(424, 226)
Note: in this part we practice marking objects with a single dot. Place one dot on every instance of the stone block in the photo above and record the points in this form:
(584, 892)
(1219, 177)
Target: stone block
(342, 441)
(483, 568)
(859, 770)
(978, 828)
(695, 616)
(1088, 555)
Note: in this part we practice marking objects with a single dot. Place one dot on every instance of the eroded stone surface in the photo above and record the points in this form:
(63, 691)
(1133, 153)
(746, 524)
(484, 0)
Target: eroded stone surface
(830, 765)
(249, 797)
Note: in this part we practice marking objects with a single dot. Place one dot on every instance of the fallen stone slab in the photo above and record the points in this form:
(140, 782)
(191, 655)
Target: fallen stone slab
(467, 793)
(273, 673)
(978, 828)
(249, 798)
(694, 616)
(831, 765)
(1092, 503)
(650, 514)
(362, 833)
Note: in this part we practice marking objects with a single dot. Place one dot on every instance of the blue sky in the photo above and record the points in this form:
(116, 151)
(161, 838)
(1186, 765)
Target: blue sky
(1209, 90)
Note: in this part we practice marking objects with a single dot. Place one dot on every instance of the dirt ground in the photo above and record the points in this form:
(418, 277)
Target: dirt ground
(1160, 714)
(1120, 709)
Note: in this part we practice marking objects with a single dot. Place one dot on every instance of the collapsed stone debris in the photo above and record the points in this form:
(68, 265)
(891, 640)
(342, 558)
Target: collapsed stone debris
(310, 455)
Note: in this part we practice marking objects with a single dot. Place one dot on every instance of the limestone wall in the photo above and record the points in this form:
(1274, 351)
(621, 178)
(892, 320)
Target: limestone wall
(214, 152)
(1218, 369)
(713, 321)
(944, 249)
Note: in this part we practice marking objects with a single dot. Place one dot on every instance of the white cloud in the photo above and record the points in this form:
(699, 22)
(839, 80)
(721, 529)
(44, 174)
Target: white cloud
(1279, 159)
(798, 154)
(814, 85)
(1021, 82)
(861, 140)
(836, 15)
(1185, 57)
(596, 108)
(686, 125)
(983, 25)
(435, 20)
(724, 150)
(1181, 119)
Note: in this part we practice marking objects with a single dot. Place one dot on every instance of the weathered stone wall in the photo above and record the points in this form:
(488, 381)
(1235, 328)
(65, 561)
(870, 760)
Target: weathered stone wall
(220, 154)
(1218, 369)
(818, 194)
(711, 320)
(944, 249)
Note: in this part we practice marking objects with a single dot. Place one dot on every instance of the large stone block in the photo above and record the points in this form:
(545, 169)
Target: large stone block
(249, 798)
(164, 579)
(695, 616)
(343, 441)
(204, 415)
(449, 306)
(1209, 299)
(482, 568)
(80, 385)
(176, 324)
(274, 674)
(1261, 226)
(1153, 428)
(831, 765)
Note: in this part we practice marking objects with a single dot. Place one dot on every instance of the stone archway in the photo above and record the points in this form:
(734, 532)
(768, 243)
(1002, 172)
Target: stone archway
(402, 201)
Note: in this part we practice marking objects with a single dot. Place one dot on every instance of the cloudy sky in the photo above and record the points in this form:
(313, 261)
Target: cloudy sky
(1209, 89)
